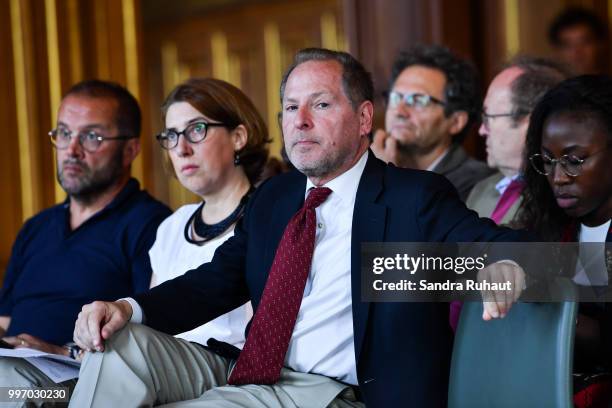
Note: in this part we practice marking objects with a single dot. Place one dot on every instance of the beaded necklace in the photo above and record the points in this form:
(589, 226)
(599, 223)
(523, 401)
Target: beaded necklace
(209, 232)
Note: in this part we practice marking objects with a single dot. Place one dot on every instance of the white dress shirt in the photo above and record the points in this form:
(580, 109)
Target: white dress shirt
(503, 184)
(592, 257)
(171, 256)
(322, 341)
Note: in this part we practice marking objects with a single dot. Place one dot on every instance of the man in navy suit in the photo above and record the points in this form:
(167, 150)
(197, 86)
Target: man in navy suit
(342, 352)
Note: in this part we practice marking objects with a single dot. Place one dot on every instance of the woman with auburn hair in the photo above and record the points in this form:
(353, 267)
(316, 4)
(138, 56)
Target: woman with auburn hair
(568, 198)
(216, 142)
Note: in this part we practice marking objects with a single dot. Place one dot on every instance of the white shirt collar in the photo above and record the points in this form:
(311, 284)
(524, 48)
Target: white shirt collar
(345, 185)
(503, 184)
(598, 233)
(433, 165)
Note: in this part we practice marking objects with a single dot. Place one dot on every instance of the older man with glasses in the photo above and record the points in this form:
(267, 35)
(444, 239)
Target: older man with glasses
(433, 101)
(511, 96)
(93, 245)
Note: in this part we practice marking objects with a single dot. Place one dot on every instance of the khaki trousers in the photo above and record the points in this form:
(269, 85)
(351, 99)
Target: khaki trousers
(143, 367)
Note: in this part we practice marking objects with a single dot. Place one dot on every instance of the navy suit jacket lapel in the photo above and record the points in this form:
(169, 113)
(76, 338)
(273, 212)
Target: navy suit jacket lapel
(368, 226)
(287, 203)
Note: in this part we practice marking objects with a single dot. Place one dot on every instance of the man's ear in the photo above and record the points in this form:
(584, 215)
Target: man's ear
(239, 137)
(366, 116)
(523, 123)
(459, 120)
(131, 149)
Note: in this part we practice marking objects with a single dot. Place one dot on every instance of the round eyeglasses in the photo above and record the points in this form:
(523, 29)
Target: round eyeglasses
(414, 100)
(90, 140)
(570, 164)
(194, 133)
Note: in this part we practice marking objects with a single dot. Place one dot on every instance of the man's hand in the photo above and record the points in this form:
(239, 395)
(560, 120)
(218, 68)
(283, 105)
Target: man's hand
(497, 303)
(385, 147)
(25, 340)
(5, 321)
(98, 321)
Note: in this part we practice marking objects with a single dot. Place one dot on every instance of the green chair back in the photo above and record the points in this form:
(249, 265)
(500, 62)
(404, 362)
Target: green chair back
(523, 360)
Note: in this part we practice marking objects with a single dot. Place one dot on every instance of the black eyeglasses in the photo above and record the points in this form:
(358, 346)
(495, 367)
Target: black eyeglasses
(194, 133)
(414, 100)
(571, 165)
(90, 140)
(486, 117)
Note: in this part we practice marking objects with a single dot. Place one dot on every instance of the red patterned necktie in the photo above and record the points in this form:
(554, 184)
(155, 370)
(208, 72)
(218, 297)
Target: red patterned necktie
(263, 355)
(511, 194)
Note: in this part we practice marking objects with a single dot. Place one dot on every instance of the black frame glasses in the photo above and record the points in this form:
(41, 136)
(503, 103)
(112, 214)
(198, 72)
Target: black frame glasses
(414, 100)
(485, 117)
(571, 164)
(89, 140)
(194, 133)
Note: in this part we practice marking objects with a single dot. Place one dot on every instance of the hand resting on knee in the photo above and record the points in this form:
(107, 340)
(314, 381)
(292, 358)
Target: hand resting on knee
(98, 321)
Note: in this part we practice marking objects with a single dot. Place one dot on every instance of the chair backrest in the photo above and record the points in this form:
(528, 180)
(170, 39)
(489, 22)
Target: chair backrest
(522, 360)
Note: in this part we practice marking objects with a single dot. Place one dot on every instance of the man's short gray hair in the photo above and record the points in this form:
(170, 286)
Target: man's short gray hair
(538, 76)
(356, 81)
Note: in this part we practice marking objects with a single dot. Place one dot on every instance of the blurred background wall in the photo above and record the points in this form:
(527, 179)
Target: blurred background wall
(151, 45)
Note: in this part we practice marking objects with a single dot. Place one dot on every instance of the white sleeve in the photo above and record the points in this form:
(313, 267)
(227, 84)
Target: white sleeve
(137, 316)
(154, 251)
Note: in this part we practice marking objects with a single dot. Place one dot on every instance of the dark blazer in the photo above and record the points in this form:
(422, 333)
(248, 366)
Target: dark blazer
(402, 349)
(462, 170)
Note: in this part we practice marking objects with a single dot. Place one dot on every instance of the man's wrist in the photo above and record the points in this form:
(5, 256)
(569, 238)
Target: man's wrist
(71, 350)
(135, 312)
(126, 307)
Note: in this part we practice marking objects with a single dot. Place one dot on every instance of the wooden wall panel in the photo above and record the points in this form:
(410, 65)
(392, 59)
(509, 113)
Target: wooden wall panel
(25, 65)
(248, 45)
(10, 204)
(533, 34)
(45, 47)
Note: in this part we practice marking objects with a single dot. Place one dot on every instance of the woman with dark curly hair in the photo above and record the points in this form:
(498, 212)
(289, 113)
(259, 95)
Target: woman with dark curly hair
(568, 142)
(568, 198)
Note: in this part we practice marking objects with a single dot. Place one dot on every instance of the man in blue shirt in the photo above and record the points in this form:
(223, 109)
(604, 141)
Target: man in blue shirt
(95, 244)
